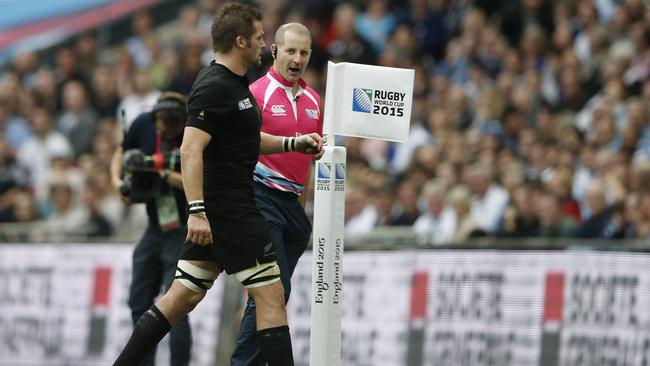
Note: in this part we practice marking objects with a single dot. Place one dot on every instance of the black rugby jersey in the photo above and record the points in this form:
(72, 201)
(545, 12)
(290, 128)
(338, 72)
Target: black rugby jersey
(221, 104)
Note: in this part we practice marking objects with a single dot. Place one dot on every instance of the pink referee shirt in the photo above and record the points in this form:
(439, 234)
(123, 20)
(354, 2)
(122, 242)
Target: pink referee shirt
(284, 115)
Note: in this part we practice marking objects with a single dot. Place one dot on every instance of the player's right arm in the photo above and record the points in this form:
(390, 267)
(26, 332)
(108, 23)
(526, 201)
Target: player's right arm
(194, 142)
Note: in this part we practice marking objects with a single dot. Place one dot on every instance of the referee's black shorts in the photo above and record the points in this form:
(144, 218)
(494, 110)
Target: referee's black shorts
(241, 236)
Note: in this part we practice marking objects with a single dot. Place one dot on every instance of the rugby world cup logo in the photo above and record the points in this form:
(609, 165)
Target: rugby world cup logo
(362, 100)
(340, 171)
(324, 175)
(324, 170)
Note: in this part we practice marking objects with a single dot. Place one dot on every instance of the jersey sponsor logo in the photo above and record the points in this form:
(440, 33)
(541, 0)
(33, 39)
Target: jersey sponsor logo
(312, 113)
(278, 110)
(244, 104)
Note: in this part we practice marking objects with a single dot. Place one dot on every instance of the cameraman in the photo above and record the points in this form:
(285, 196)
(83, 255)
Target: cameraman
(149, 174)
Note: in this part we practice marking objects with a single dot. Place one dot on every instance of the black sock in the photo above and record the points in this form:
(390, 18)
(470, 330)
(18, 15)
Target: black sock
(148, 331)
(275, 344)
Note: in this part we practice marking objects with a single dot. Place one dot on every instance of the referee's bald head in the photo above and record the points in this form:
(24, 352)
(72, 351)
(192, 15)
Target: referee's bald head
(296, 28)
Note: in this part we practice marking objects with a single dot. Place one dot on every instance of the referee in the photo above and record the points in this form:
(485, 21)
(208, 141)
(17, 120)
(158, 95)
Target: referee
(226, 231)
(289, 108)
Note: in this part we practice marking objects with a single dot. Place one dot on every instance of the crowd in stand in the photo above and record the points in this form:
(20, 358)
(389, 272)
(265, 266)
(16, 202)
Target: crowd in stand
(530, 117)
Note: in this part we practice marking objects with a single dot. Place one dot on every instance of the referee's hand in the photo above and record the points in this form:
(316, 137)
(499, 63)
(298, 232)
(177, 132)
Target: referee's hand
(198, 230)
(311, 143)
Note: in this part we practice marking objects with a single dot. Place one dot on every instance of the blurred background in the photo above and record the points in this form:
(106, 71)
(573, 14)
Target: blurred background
(530, 117)
(530, 130)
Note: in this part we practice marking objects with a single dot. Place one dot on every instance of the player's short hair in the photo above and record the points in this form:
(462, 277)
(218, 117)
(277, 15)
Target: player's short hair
(233, 20)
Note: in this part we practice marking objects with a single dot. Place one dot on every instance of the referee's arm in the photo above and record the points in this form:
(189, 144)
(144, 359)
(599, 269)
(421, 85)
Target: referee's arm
(307, 144)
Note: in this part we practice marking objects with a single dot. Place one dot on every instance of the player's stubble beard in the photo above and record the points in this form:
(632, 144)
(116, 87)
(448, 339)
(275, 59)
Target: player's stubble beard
(254, 60)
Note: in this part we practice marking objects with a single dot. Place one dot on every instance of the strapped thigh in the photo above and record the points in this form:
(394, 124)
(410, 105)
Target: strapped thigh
(260, 275)
(194, 277)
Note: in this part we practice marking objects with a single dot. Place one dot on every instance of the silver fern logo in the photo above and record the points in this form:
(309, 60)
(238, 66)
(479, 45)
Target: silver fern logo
(362, 100)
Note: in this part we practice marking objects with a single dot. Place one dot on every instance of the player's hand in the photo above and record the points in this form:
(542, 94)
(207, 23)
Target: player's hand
(310, 144)
(198, 230)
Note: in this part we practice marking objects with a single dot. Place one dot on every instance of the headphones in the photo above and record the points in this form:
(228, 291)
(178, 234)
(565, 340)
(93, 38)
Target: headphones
(274, 51)
(169, 104)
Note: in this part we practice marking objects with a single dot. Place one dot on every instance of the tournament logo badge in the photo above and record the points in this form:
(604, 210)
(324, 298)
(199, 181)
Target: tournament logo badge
(362, 100)
(380, 102)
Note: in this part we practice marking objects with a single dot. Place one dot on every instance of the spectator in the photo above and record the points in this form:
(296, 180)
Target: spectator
(141, 100)
(141, 45)
(26, 66)
(360, 218)
(637, 224)
(67, 70)
(45, 91)
(24, 208)
(489, 201)
(96, 223)
(124, 70)
(401, 50)
(14, 128)
(418, 136)
(428, 227)
(639, 69)
(104, 93)
(108, 205)
(102, 151)
(37, 152)
(554, 223)
(407, 204)
(12, 180)
(67, 217)
(603, 223)
(463, 226)
(383, 201)
(559, 185)
(186, 26)
(520, 218)
(78, 121)
(375, 24)
(517, 14)
(191, 64)
(428, 24)
(345, 43)
(85, 50)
